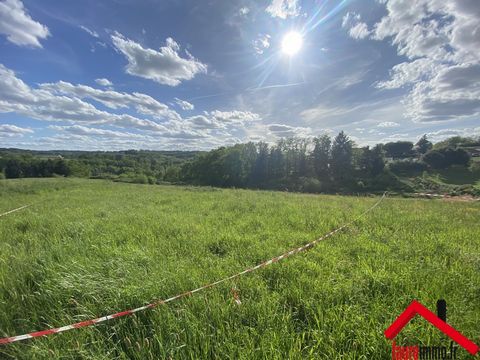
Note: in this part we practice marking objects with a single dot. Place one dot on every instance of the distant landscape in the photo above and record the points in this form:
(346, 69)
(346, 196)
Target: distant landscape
(314, 165)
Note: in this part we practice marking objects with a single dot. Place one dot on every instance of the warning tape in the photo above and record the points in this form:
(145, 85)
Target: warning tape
(184, 294)
(17, 209)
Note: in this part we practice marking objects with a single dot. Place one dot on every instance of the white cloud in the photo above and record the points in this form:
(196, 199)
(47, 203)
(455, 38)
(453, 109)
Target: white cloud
(244, 11)
(184, 105)
(443, 134)
(388, 124)
(47, 104)
(88, 127)
(261, 43)
(283, 8)
(89, 131)
(356, 28)
(286, 131)
(440, 39)
(144, 104)
(235, 116)
(359, 31)
(18, 26)
(91, 32)
(7, 130)
(203, 122)
(165, 66)
(103, 82)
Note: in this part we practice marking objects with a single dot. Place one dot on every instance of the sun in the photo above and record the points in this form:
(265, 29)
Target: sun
(292, 43)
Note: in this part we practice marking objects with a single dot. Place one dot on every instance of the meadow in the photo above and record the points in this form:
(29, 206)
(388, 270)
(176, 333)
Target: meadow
(87, 248)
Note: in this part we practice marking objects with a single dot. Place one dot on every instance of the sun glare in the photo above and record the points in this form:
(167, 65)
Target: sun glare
(292, 43)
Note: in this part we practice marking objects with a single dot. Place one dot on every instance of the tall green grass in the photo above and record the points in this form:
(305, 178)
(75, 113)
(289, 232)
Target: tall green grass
(90, 248)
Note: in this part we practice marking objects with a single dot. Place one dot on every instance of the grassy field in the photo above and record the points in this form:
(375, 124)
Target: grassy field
(88, 248)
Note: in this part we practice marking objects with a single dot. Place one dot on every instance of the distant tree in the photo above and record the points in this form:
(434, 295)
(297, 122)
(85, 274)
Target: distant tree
(13, 169)
(457, 141)
(435, 159)
(259, 173)
(371, 161)
(457, 156)
(321, 156)
(423, 145)
(341, 157)
(276, 163)
(398, 149)
(445, 157)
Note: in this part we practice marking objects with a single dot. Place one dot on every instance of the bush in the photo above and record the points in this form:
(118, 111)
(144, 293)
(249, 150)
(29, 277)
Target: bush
(311, 185)
(407, 166)
(443, 158)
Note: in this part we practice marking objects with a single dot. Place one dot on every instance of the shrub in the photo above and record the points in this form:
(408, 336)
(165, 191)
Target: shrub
(311, 185)
(407, 166)
(443, 158)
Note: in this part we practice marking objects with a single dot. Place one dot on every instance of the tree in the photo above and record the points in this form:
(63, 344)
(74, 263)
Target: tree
(435, 159)
(259, 175)
(371, 160)
(276, 162)
(321, 156)
(399, 149)
(423, 145)
(341, 157)
(445, 157)
(13, 169)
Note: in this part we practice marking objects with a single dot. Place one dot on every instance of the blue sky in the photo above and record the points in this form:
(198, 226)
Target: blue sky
(148, 74)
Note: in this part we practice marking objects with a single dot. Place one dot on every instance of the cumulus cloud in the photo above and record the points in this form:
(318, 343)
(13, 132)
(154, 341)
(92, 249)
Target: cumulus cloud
(388, 124)
(235, 116)
(203, 122)
(184, 105)
(440, 39)
(7, 130)
(49, 104)
(244, 11)
(356, 28)
(359, 31)
(18, 26)
(443, 134)
(103, 82)
(165, 66)
(283, 8)
(286, 131)
(89, 131)
(144, 104)
(154, 125)
(261, 43)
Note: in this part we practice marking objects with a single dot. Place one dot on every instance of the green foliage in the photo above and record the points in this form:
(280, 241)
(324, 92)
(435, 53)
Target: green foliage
(398, 149)
(457, 141)
(341, 158)
(89, 248)
(407, 167)
(423, 145)
(445, 157)
(119, 166)
(321, 156)
(285, 165)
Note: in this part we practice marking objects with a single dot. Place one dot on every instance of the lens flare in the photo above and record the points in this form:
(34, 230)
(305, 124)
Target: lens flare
(292, 43)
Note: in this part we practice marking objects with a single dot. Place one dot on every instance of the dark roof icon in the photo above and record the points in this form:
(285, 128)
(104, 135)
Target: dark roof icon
(417, 308)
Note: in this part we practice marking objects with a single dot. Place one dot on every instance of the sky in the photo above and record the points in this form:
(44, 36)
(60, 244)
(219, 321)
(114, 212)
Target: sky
(199, 74)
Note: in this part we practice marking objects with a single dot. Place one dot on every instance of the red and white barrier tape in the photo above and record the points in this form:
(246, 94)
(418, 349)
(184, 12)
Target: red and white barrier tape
(17, 209)
(185, 294)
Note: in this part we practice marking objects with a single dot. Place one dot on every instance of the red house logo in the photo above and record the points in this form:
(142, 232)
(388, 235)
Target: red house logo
(414, 352)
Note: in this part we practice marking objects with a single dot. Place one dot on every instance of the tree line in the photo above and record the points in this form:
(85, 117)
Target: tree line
(321, 164)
